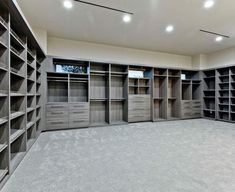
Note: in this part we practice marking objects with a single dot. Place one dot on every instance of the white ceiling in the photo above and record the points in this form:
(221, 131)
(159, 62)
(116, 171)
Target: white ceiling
(147, 29)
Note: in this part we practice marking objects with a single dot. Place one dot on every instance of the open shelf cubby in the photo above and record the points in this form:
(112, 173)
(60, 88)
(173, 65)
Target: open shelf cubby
(186, 90)
(99, 87)
(209, 93)
(57, 87)
(99, 68)
(118, 112)
(18, 150)
(18, 126)
(99, 112)
(78, 88)
(119, 69)
(159, 109)
(118, 87)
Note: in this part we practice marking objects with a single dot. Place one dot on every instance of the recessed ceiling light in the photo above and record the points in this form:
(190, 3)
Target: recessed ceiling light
(169, 28)
(68, 4)
(219, 39)
(126, 18)
(208, 4)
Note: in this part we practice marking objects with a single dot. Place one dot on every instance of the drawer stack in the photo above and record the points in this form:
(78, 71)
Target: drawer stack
(190, 109)
(139, 108)
(78, 115)
(196, 109)
(68, 115)
(57, 116)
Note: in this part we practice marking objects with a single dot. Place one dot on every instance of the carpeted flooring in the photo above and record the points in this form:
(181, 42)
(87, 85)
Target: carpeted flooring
(175, 156)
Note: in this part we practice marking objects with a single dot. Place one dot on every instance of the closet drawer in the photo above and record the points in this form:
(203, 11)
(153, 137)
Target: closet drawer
(55, 107)
(78, 106)
(79, 117)
(196, 114)
(78, 123)
(56, 114)
(139, 97)
(56, 124)
(138, 118)
(196, 104)
(186, 102)
(187, 114)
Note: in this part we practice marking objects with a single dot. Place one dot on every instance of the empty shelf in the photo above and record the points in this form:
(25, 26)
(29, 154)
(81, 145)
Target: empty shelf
(15, 94)
(3, 173)
(30, 109)
(16, 114)
(2, 147)
(29, 125)
(3, 120)
(15, 134)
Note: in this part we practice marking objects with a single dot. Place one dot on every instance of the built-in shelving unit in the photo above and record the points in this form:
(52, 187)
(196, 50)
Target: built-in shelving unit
(222, 94)
(139, 93)
(209, 93)
(191, 87)
(173, 94)
(18, 49)
(99, 93)
(118, 94)
(159, 94)
(232, 94)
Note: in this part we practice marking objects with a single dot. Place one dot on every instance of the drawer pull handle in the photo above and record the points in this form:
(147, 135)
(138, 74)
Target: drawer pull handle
(81, 112)
(57, 106)
(78, 121)
(57, 113)
(56, 123)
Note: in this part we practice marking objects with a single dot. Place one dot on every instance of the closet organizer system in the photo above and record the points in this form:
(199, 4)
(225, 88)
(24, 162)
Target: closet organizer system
(88, 93)
(84, 94)
(20, 88)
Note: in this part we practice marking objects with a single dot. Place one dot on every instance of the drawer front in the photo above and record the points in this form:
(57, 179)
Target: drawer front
(56, 114)
(139, 97)
(56, 124)
(187, 114)
(196, 114)
(78, 106)
(78, 123)
(56, 107)
(138, 118)
(79, 117)
(196, 104)
(186, 102)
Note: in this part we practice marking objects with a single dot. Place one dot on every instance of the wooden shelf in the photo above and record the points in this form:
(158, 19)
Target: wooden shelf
(3, 173)
(16, 114)
(15, 134)
(3, 147)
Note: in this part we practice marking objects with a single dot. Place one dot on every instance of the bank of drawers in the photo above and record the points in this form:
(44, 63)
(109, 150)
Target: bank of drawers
(67, 115)
(191, 109)
(78, 115)
(139, 108)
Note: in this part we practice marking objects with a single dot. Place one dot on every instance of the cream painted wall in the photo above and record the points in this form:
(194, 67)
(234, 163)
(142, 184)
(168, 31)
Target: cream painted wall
(41, 36)
(220, 58)
(99, 52)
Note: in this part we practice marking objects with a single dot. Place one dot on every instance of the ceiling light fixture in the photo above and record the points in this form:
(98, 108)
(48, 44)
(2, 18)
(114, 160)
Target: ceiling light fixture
(219, 39)
(68, 4)
(208, 4)
(126, 18)
(169, 28)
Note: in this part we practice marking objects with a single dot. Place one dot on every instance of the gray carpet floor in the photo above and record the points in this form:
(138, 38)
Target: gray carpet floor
(175, 156)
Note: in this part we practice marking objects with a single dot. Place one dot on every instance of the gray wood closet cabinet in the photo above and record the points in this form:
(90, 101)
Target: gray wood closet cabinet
(20, 89)
(87, 93)
(219, 94)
